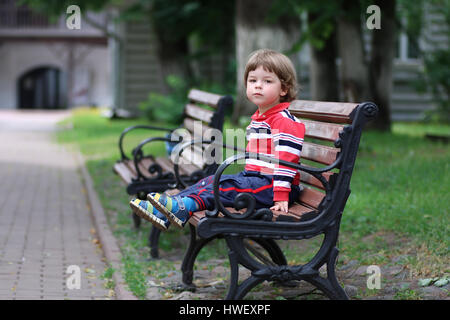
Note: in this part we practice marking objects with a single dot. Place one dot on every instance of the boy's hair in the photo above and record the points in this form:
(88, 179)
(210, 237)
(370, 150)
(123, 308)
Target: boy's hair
(277, 63)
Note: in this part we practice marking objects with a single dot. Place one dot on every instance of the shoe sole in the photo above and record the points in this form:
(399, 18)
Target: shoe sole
(141, 212)
(169, 215)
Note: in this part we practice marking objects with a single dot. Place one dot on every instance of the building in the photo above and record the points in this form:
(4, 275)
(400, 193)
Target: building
(45, 64)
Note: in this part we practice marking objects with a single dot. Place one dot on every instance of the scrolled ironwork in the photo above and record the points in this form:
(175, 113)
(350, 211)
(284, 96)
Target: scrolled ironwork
(370, 109)
(139, 153)
(155, 168)
(127, 130)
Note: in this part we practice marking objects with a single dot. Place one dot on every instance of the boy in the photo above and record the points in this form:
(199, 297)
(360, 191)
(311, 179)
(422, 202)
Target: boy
(271, 85)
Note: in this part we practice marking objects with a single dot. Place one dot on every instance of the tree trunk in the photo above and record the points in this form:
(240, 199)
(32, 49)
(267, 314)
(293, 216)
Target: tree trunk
(253, 32)
(381, 63)
(354, 69)
(323, 70)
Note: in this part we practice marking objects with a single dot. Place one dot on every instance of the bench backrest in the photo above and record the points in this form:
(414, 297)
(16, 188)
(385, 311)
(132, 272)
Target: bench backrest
(204, 111)
(325, 123)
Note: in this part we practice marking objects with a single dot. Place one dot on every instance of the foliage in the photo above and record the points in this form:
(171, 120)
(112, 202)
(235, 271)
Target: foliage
(56, 8)
(166, 108)
(315, 33)
(211, 20)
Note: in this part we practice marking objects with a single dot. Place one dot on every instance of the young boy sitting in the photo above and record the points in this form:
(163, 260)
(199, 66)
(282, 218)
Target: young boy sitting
(270, 82)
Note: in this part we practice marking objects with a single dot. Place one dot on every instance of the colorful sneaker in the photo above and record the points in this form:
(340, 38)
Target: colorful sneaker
(172, 207)
(145, 210)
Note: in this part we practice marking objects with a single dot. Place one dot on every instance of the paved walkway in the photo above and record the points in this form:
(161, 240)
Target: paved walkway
(45, 222)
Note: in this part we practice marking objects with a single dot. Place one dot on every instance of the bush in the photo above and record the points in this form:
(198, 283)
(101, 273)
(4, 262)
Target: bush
(166, 108)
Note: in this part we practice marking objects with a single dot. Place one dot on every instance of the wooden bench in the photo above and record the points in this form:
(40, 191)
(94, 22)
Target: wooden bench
(333, 132)
(144, 173)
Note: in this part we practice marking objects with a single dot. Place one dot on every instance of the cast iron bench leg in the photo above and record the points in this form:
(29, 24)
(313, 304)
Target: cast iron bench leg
(136, 220)
(187, 267)
(153, 242)
(330, 285)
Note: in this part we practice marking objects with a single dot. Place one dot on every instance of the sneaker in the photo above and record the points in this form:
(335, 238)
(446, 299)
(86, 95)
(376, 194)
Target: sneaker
(145, 210)
(172, 207)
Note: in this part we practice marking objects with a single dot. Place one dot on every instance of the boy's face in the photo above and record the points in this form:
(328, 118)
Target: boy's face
(264, 89)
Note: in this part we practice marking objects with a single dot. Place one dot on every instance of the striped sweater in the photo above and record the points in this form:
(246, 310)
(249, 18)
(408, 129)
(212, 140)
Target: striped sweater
(276, 134)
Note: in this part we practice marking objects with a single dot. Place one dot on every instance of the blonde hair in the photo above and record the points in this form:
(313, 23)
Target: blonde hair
(277, 63)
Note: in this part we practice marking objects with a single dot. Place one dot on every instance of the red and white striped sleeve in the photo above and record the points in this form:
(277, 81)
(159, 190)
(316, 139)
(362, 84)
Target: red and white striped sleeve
(287, 134)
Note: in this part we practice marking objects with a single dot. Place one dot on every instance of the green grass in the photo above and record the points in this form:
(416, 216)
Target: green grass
(400, 185)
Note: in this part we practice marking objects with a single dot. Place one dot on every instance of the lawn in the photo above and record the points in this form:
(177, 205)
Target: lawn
(400, 190)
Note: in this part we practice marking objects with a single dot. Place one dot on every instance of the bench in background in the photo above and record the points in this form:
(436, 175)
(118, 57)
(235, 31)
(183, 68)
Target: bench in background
(145, 173)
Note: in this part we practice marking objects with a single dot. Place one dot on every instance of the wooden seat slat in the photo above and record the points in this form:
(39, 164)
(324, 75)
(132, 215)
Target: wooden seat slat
(311, 197)
(198, 113)
(322, 130)
(130, 166)
(167, 165)
(295, 211)
(336, 112)
(123, 171)
(311, 180)
(210, 99)
(192, 156)
(196, 127)
(319, 153)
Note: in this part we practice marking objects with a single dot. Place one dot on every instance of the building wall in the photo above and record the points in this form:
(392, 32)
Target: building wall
(19, 57)
(141, 73)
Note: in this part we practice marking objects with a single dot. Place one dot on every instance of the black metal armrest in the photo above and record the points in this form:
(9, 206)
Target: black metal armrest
(127, 130)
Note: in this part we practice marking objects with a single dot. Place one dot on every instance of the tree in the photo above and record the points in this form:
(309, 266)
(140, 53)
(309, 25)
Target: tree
(354, 69)
(255, 29)
(381, 63)
(335, 30)
(176, 22)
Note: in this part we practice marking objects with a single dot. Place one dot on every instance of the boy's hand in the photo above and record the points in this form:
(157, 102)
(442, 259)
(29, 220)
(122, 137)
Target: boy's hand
(280, 206)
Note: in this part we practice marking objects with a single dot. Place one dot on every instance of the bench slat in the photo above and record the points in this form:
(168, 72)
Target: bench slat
(318, 153)
(144, 164)
(167, 165)
(192, 156)
(336, 112)
(309, 179)
(198, 113)
(322, 130)
(311, 197)
(124, 172)
(207, 98)
(295, 211)
(194, 127)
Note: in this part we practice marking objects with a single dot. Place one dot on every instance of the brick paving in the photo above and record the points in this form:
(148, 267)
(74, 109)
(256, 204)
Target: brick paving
(45, 222)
